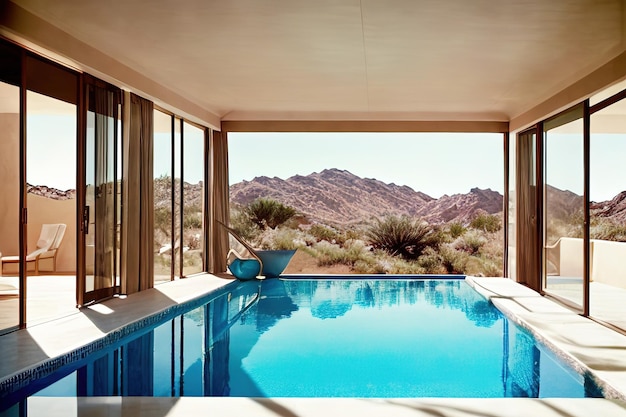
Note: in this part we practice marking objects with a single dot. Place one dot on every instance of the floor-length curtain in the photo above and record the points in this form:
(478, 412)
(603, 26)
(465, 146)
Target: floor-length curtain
(220, 206)
(138, 215)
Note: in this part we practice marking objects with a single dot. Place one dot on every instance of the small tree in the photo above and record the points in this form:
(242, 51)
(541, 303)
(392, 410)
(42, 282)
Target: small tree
(266, 212)
(401, 236)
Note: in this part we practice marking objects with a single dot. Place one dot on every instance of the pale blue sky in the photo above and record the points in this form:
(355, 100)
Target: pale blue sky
(434, 163)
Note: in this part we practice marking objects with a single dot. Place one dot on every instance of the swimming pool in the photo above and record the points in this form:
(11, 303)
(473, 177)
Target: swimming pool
(329, 338)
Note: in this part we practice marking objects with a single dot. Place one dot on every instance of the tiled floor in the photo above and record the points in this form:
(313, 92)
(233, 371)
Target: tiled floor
(48, 297)
(588, 343)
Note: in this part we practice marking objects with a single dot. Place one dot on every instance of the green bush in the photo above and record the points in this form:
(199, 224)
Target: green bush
(456, 229)
(266, 212)
(471, 242)
(282, 239)
(321, 232)
(163, 220)
(401, 266)
(401, 236)
(607, 229)
(192, 221)
(240, 221)
(453, 260)
(328, 254)
(486, 222)
(431, 262)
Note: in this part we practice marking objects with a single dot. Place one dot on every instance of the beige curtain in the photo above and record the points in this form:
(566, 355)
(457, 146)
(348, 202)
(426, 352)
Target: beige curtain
(138, 215)
(219, 202)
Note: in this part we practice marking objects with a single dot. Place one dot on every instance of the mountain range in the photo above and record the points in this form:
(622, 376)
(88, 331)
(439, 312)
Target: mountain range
(337, 196)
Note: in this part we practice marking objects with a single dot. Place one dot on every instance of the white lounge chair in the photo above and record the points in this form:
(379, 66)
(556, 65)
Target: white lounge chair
(41, 259)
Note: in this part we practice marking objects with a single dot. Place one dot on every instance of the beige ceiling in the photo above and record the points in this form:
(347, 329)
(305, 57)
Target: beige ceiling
(351, 59)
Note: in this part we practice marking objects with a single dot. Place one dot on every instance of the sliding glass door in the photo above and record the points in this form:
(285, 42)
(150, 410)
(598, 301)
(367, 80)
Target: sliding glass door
(564, 206)
(179, 158)
(102, 191)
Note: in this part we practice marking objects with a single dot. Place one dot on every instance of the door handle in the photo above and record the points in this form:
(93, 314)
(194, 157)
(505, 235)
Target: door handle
(86, 219)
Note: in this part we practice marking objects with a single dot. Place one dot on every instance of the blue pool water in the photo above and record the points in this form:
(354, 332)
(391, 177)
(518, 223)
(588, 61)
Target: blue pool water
(331, 338)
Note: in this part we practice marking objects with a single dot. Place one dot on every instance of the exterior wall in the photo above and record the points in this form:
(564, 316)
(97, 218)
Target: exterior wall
(607, 262)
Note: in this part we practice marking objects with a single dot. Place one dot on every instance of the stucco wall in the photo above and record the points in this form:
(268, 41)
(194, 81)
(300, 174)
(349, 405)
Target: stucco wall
(45, 210)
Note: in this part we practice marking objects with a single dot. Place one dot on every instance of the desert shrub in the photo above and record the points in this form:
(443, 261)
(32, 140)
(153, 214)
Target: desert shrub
(163, 220)
(401, 235)
(607, 229)
(321, 232)
(267, 212)
(241, 223)
(480, 266)
(362, 266)
(282, 239)
(452, 260)
(401, 266)
(471, 242)
(328, 254)
(192, 220)
(456, 229)
(430, 261)
(486, 222)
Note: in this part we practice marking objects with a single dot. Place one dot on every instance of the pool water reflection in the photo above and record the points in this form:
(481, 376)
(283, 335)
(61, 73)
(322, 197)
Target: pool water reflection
(332, 338)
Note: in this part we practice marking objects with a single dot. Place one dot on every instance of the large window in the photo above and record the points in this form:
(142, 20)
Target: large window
(607, 273)
(193, 198)
(163, 197)
(179, 171)
(51, 200)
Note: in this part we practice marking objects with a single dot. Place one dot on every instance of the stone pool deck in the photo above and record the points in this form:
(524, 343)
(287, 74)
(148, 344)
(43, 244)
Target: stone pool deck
(587, 345)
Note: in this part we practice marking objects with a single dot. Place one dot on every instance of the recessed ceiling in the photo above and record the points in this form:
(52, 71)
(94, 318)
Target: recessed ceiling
(351, 59)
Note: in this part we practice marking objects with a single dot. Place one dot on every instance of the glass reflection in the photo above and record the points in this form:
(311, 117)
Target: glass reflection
(387, 338)
(193, 192)
(607, 229)
(564, 206)
(163, 195)
(51, 201)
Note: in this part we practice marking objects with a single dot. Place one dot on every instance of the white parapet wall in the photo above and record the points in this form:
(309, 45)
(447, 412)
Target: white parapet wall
(607, 260)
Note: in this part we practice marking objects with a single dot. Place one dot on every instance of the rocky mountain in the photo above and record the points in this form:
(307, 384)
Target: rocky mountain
(50, 192)
(615, 208)
(337, 196)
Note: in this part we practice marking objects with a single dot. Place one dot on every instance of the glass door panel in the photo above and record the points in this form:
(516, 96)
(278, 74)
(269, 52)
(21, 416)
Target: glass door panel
(607, 188)
(100, 213)
(193, 192)
(564, 248)
(51, 207)
(178, 195)
(163, 242)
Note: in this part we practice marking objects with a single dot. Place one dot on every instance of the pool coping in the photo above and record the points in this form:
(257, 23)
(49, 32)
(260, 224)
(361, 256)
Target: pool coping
(565, 332)
(35, 348)
(37, 351)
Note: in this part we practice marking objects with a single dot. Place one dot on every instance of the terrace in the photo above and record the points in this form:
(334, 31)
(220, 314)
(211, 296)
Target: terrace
(144, 99)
